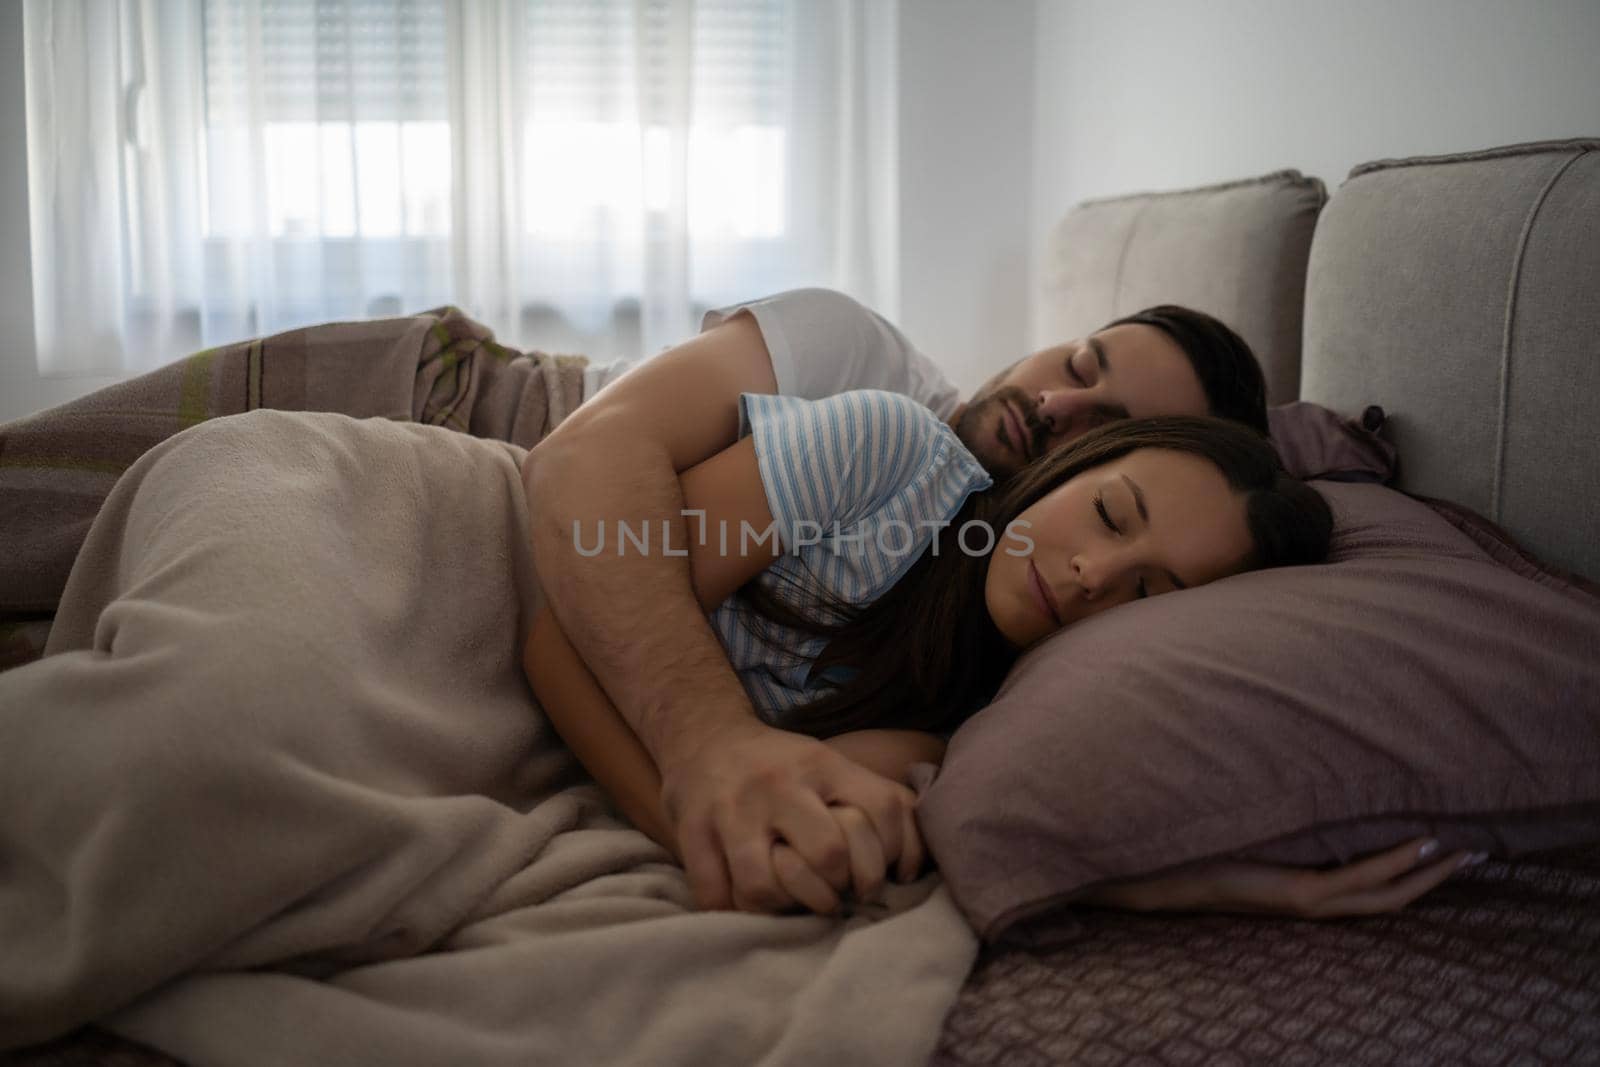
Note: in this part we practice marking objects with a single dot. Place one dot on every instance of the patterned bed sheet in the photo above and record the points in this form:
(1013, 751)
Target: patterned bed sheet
(1499, 966)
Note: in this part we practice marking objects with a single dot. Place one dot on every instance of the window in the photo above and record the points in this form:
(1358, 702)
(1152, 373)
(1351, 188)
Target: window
(554, 167)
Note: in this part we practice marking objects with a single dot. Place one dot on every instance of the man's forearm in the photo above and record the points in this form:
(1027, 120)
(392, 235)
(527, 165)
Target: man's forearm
(630, 613)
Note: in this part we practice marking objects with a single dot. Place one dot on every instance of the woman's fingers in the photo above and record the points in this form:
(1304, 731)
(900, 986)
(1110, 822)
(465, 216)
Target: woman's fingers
(1385, 882)
(912, 853)
(808, 888)
(808, 825)
(812, 829)
(867, 866)
(888, 807)
(756, 886)
(1377, 870)
(1393, 896)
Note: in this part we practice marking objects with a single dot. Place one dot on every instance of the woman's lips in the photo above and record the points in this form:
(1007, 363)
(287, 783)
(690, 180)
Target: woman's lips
(1041, 594)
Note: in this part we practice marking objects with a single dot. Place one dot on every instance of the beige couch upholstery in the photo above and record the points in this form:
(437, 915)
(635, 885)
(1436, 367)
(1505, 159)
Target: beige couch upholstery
(1462, 293)
(1237, 251)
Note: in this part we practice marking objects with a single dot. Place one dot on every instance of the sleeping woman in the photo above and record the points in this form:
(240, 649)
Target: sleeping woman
(872, 587)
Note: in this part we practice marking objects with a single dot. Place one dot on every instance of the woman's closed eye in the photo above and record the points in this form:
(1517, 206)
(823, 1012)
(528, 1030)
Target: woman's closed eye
(1105, 516)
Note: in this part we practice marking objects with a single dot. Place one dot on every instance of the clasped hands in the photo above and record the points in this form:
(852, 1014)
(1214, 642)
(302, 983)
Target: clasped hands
(766, 820)
(770, 821)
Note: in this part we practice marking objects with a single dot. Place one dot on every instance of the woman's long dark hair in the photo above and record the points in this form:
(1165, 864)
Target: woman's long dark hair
(926, 655)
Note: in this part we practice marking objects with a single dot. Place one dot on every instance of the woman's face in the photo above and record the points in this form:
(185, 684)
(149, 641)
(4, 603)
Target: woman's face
(1148, 523)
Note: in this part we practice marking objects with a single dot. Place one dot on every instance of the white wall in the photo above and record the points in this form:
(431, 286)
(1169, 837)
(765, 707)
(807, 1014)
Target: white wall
(966, 166)
(1161, 94)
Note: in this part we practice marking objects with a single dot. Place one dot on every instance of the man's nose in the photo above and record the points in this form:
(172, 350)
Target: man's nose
(1060, 407)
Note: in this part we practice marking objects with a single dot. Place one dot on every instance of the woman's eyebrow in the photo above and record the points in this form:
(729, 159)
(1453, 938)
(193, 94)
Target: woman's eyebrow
(1144, 513)
(1138, 498)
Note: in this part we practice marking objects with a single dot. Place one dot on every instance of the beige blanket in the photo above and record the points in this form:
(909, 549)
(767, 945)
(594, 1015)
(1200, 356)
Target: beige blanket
(278, 793)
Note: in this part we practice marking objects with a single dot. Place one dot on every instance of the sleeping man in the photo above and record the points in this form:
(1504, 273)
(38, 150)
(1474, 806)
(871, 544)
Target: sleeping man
(739, 796)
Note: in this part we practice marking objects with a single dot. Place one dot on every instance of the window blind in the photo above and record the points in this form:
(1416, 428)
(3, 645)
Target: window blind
(326, 60)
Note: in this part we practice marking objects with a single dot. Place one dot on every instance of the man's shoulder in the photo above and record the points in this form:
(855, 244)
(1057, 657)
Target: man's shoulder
(806, 301)
(824, 341)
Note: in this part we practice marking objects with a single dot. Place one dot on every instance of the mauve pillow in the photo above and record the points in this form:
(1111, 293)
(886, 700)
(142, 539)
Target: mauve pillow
(1317, 442)
(1303, 715)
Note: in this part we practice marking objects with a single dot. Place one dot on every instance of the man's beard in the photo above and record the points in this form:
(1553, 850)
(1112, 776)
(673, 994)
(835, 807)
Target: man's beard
(986, 410)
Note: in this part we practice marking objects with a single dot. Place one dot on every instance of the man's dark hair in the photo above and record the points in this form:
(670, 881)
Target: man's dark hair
(1227, 369)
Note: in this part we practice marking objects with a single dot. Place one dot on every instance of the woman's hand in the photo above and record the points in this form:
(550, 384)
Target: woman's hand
(1385, 882)
(890, 754)
(867, 866)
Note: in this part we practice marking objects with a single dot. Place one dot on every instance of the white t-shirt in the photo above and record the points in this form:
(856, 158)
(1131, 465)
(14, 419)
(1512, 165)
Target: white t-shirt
(822, 343)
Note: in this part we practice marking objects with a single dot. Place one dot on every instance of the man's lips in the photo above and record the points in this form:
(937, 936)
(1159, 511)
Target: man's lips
(1014, 429)
(1041, 594)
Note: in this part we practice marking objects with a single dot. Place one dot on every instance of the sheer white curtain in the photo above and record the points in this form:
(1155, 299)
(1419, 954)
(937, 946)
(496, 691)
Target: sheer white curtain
(585, 175)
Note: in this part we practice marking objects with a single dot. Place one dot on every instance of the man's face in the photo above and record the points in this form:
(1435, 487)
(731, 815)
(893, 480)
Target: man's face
(1060, 393)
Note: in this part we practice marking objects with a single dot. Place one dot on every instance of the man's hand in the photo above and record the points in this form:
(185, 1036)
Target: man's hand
(748, 789)
(1385, 882)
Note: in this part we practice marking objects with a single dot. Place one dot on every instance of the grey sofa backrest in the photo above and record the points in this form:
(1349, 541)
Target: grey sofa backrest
(1237, 251)
(1462, 294)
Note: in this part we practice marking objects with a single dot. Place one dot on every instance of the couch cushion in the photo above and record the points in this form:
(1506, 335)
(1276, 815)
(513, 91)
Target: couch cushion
(1237, 251)
(1462, 293)
(1302, 715)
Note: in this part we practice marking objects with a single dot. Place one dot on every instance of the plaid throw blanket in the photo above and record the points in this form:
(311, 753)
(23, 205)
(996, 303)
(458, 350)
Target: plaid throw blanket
(440, 368)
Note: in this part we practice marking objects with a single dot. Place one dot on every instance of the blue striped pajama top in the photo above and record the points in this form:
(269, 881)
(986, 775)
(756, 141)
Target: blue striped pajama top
(858, 485)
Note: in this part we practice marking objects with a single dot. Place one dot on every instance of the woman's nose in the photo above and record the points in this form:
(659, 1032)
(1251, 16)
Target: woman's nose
(1090, 575)
(1104, 571)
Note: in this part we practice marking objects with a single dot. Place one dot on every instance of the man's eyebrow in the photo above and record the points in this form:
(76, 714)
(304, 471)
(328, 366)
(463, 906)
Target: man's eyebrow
(1099, 351)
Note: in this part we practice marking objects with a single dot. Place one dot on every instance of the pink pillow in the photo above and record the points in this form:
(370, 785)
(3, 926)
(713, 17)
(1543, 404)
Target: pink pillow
(1303, 715)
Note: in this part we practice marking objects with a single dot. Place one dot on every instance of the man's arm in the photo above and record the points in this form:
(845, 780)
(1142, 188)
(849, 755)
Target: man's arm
(608, 749)
(731, 785)
(727, 489)
(616, 461)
